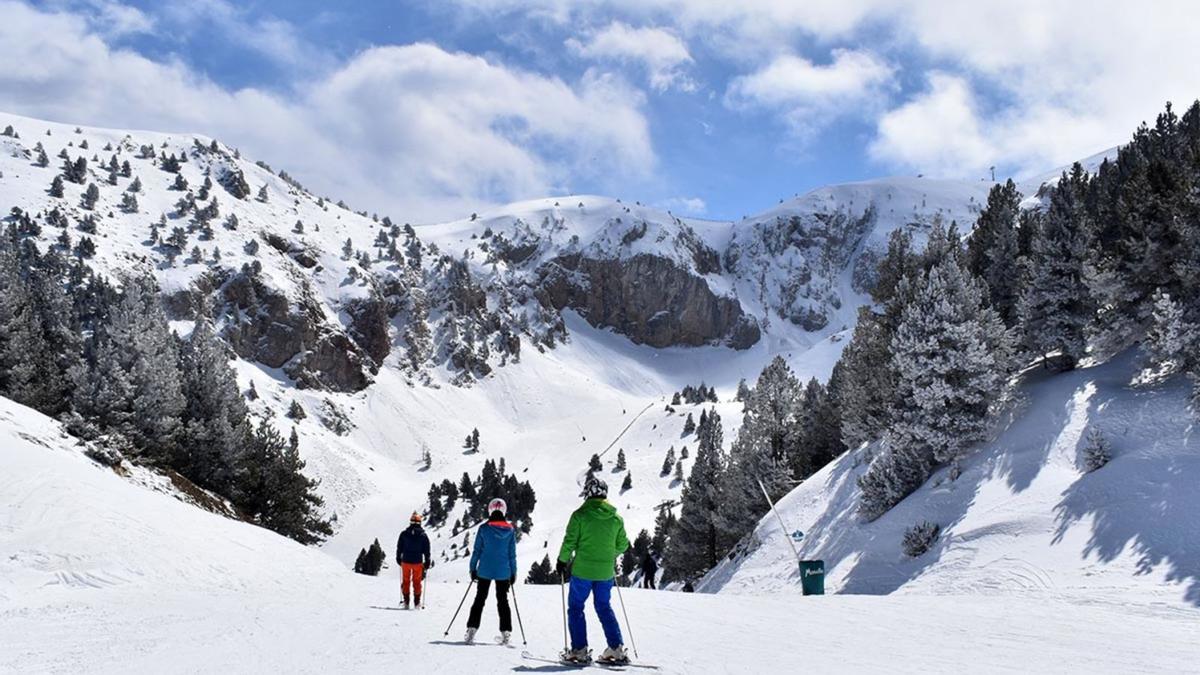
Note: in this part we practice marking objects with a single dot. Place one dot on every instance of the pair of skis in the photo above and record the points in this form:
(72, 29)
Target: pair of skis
(607, 665)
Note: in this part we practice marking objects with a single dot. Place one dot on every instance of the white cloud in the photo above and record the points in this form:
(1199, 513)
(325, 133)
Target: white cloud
(809, 95)
(937, 132)
(693, 206)
(663, 55)
(1050, 81)
(413, 131)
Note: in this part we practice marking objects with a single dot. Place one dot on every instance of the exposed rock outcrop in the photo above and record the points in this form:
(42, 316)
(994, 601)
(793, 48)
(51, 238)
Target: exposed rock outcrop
(648, 299)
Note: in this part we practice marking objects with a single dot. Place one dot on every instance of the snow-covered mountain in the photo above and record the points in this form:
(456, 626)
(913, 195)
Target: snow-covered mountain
(608, 306)
(558, 328)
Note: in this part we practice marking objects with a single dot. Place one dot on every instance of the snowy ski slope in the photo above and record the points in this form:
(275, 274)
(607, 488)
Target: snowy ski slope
(100, 575)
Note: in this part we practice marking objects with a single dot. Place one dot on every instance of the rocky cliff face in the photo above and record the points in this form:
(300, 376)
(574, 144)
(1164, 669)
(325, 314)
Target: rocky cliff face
(648, 299)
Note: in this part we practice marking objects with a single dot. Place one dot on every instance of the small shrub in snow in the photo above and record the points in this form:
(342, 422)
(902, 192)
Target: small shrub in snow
(296, 411)
(920, 538)
(1096, 452)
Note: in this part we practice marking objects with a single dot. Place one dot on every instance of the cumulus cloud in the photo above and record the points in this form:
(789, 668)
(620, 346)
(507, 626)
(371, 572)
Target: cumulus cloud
(662, 54)
(414, 131)
(807, 94)
(693, 206)
(1048, 81)
(937, 132)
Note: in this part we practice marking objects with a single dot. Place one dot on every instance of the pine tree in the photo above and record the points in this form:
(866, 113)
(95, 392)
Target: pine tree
(952, 357)
(1055, 304)
(668, 461)
(296, 411)
(620, 465)
(594, 464)
(818, 433)
(1096, 452)
(689, 426)
(694, 545)
(56, 187)
(1171, 342)
(627, 484)
(992, 250)
(898, 262)
(867, 387)
(542, 573)
(216, 420)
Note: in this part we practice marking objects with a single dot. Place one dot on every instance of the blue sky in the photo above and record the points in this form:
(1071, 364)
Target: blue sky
(428, 110)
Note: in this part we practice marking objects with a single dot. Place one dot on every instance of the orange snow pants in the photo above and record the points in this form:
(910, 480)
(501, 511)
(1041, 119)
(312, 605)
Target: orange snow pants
(410, 577)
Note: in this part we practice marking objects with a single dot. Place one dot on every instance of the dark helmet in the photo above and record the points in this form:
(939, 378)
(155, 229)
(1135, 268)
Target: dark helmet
(594, 487)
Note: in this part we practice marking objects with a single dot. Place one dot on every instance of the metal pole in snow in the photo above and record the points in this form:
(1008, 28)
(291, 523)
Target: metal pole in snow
(782, 527)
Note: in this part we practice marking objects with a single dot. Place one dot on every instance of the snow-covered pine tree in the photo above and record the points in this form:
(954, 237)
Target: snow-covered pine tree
(1055, 304)
(992, 253)
(689, 425)
(620, 465)
(296, 411)
(627, 484)
(952, 356)
(1096, 452)
(215, 420)
(1171, 342)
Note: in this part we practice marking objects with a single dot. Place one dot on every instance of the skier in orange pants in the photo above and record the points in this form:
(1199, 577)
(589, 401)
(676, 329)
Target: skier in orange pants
(412, 552)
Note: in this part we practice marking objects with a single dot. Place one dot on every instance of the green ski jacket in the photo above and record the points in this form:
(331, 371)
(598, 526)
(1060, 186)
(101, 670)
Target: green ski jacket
(595, 536)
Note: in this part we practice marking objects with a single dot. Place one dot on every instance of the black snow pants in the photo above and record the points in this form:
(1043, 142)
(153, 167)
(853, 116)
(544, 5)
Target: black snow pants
(481, 593)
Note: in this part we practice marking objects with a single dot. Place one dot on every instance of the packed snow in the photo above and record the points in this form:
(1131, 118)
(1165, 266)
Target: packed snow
(100, 575)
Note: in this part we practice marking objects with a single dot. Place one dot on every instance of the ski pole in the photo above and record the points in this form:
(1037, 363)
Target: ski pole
(460, 604)
(513, 588)
(563, 592)
(628, 627)
(782, 527)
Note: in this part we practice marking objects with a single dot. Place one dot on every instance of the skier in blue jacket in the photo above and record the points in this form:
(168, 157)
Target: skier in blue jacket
(494, 559)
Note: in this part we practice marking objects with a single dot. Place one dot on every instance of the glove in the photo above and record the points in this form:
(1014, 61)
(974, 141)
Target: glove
(563, 569)
(513, 580)
(474, 576)
(424, 572)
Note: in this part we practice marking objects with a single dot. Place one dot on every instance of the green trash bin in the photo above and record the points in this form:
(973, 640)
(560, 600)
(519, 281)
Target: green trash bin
(812, 577)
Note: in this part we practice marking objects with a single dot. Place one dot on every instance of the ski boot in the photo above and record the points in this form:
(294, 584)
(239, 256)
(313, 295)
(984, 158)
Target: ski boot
(469, 638)
(583, 655)
(505, 637)
(614, 655)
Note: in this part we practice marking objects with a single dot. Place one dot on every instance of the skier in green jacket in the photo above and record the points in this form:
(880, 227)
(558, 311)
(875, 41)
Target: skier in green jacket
(595, 538)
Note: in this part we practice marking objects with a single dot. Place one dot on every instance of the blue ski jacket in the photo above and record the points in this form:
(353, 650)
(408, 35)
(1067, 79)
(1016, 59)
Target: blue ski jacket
(495, 552)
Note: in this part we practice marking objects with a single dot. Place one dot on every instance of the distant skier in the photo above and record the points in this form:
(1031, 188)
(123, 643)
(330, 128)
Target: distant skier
(649, 569)
(688, 587)
(412, 551)
(595, 537)
(494, 559)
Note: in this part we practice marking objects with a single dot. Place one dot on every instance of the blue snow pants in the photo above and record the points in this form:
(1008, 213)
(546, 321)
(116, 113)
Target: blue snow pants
(601, 592)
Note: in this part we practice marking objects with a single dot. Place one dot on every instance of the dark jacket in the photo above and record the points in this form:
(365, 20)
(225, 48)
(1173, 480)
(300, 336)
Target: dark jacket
(649, 566)
(413, 546)
(495, 552)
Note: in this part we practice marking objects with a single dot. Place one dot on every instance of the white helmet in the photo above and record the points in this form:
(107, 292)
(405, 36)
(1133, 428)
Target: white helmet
(497, 504)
